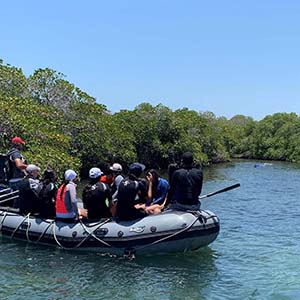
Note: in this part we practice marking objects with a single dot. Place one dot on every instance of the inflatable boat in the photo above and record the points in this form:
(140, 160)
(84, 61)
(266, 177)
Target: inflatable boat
(170, 231)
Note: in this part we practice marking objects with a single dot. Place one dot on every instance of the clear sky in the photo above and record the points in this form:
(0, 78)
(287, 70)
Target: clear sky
(228, 57)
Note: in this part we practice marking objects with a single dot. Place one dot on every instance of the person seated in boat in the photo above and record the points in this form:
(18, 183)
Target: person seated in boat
(47, 194)
(158, 188)
(116, 170)
(117, 178)
(29, 188)
(186, 185)
(66, 199)
(95, 195)
(132, 190)
(108, 176)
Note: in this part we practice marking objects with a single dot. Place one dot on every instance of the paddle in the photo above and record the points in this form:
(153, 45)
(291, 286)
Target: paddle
(221, 191)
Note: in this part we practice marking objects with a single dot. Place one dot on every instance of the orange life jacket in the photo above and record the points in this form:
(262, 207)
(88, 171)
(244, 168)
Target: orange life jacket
(60, 200)
(107, 179)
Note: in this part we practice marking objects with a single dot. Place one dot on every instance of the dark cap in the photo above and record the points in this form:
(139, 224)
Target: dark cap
(187, 158)
(136, 169)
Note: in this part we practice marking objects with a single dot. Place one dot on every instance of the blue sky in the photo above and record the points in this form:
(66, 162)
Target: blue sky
(228, 57)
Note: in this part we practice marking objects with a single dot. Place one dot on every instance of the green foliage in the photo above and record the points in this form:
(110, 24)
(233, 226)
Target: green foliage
(64, 128)
(41, 127)
(13, 82)
(277, 137)
(47, 86)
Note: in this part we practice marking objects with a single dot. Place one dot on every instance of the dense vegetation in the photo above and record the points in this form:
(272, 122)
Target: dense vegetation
(64, 127)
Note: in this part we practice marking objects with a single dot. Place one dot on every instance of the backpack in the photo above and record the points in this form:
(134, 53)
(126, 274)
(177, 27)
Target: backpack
(6, 168)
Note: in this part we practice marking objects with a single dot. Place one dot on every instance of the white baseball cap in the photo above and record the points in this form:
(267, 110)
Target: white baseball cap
(32, 168)
(95, 173)
(70, 175)
(116, 167)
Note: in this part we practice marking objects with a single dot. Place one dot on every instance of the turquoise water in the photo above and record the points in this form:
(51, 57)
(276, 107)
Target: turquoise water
(256, 255)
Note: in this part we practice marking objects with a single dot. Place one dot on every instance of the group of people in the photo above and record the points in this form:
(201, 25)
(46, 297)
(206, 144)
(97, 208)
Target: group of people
(105, 195)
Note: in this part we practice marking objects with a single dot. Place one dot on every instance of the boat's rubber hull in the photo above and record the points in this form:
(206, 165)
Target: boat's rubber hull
(171, 231)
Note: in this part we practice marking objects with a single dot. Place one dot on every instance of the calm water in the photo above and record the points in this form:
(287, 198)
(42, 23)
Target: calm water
(256, 255)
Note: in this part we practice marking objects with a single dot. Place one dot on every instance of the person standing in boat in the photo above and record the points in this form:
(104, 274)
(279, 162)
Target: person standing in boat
(132, 190)
(29, 188)
(47, 194)
(17, 163)
(186, 185)
(66, 199)
(94, 196)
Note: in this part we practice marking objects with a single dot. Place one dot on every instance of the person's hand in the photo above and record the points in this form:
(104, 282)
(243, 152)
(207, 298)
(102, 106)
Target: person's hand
(83, 213)
(149, 177)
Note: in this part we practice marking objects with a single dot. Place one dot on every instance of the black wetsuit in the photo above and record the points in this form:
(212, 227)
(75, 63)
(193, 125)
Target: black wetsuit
(131, 191)
(28, 199)
(186, 186)
(94, 200)
(45, 197)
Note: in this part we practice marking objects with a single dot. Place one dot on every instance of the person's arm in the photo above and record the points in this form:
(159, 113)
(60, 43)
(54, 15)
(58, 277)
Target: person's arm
(19, 164)
(172, 188)
(117, 182)
(200, 181)
(73, 198)
(150, 189)
(84, 198)
(17, 158)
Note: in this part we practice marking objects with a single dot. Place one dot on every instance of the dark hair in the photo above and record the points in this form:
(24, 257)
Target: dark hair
(187, 158)
(63, 188)
(49, 176)
(155, 176)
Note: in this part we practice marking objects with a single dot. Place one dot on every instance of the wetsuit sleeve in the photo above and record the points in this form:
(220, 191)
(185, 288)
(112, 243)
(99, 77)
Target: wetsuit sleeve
(71, 201)
(172, 187)
(142, 187)
(117, 182)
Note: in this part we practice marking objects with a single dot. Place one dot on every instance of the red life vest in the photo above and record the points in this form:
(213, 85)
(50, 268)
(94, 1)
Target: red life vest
(107, 179)
(60, 200)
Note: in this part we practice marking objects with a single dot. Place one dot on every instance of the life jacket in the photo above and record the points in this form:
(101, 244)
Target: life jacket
(60, 200)
(106, 179)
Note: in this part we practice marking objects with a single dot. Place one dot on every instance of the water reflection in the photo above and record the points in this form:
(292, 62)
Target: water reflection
(65, 275)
